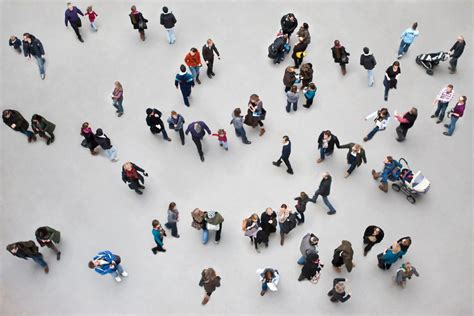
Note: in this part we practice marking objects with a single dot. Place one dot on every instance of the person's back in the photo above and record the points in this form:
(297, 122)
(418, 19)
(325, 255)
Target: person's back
(168, 20)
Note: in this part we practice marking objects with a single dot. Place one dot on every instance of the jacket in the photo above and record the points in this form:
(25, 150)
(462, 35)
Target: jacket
(124, 174)
(17, 119)
(237, 121)
(390, 257)
(221, 138)
(42, 125)
(333, 141)
(407, 120)
(278, 44)
(458, 49)
(368, 61)
(103, 141)
(310, 94)
(211, 285)
(52, 235)
(154, 121)
(402, 274)
(216, 220)
(157, 236)
(299, 48)
(370, 230)
(288, 26)
(208, 52)
(312, 266)
(179, 122)
(265, 219)
(325, 186)
(109, 258)
(289, 78)
(341, 297)
(342, 54)
(304, 33)
(71, 16)
(305, 247)
(193, 61)
(195, 134)
(292, 97)
(301, 204)
(173, 216)
(135, 18)
(16, 43)
(33, 49)
(346, 252)
(168, 20)
(360, 156)
(26, 249)
(184, 80)
(458, 109)
(306, 72)
(286, 150)
(379, 121)
(408, 36)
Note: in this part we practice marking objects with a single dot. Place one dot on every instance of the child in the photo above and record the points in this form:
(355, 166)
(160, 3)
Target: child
(292, 99)
(309, 94)
(92, 16)
(16, 43)
(222, 137)
(301, 206)
(158, 233)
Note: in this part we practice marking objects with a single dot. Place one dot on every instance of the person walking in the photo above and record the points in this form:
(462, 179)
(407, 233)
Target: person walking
(326, 143)
(256, 113)
(338, 292)
(16, 122)
(89, 139)
(105, 262)
(71, 16)
(185, 82)
(367, 60)
(176, 122)
(309, 245)
(198, 129)
(324, 190)
(91, 14)
(300, 206)
(117, 98)
(372, 235)
(131, 175)
(299, 51)
(340, 56)
(153, 120)
(238, 122)
(33, 47)
(286, 221)
(289, 78)
(381, 119)
(168, 20)
(193, 61)
(408, 36)
(285, 155)
(158, 235)
(47, 236)
(455, 114)
(306, 74)
(173, 219)
(404, 273)
(268, 221)
(442, 99)
(304, 33)
(213, 221)
(292, 97)
(355, 157)
(138, 22)
(309, 94)
(269, 278)
(104, 142)
(208, 51)
(389, 256)
(455, 52)
(222, 138)
(390, 79)
(390, 166)
(288, 24)
(311, 269)
(28, 250)
(15, 43)
(406, 122)
(210, 281)
(343, 255)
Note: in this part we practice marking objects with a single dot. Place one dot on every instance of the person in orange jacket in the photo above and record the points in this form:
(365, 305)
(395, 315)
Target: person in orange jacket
(193, 61)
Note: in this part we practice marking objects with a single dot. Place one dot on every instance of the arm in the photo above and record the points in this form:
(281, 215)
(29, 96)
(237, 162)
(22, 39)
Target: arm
(66, 20)
(206, 128)
(415, 272)
(157, 237)
(371, 115)
(401, 119)
(347, 146)
(188, 129)
(214, 48)
(79, 11)
(336, 142)
(138, 168)
(345, 298)
(176, 82)
(363, 156)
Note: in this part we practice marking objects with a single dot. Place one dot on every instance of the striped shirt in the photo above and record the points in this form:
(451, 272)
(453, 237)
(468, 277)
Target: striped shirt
(445, 96)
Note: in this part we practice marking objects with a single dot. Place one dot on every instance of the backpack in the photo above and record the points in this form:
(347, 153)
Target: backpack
(292, 221)
(272, 53)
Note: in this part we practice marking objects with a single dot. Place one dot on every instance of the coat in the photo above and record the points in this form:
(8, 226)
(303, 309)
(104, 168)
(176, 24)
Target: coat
(137, 168)
(341, 297)
(369, 231)
(33, 49)
(52, 235)
(168, 20)
(286, 150)
(306, 73)
(325, 186)
(304, 33)
(301, 204)
(306, 248)
(185, 81)
(359, 157)
(154, 121)
(210, 285)
(179, 122)
(43, 125)
(299, 48)
(103, 141)
(312, 266)
(208, 52)
(17, 119)
(110, 258)
(343, 53)
(216, 220)
(194, 133)
(266, 225)
(345, 252)
(193, 61)
(135, 18)
(288, 26)
(26, 249)
(458, 49)
(289, 78)
(72, 16)
(368, 61)
(333, 141)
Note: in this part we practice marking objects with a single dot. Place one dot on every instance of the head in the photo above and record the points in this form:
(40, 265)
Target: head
(406, 241)
(269, 211)
(285, 139)
(284, 206)
(13, 38)
(172, 206)
(268, 275)
(327, 134)
(314, 240)
(254, 98)
(118, 85)
(99, 132)
(70, 6)
(414, 26)
(290, 69)
(182, 68)
(449, 87)
(291, 17)
(337, 43)
(460, 38)
(211, 214)
(340, 287)
(463, 99)
(149, 112)
(388, 159)
(197, 127)
(383, 112)
(209, 274)
(93, 263)
(6, 114)
(294, 89)
(193, 51)
(85, 125)
(133, 8)
(221, 132)
(12, 248)
(89, 9)
(407, 266)
(303, 195)
(376, 231)
(127, 166)
(395, 65)
(165, 9)
(326, 175)
(365, 50)
(254, 217)
(356, 148)
(42, 233)
(237, 112)
(27, 37)
(305, 26)
(312, 86)
(174, 114)
(210, 42)
(155, 223)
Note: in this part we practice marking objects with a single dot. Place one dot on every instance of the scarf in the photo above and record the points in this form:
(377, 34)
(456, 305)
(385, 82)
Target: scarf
(132, 174)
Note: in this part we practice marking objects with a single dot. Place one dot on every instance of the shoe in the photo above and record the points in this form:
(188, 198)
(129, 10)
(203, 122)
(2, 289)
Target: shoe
(384, 187)
(301, 277)
(168, 139)
(139, 192)
(49, 141)
(385, 98)
(142, 186)
(119, 114)
(276, 164)
(177, 236)
(226, 149)
(118, 279)
(262, 131)
(282, 240)
(331, 213)
(289, 171)
(221, 145)
(213, 74)
(115, 160)
(319, 160)
(182, 142)
(262, 293)
(366, 139)
(433, 116)
(46, 269)
(266, 245)
(202, 158)
(42, 76)
(198, 81)
(205, 300)
(399, 56)
(346, 175)
(209, 76)
(344, 72)
(81, 40)
(438, 121)
(365, 253)
(216, 242)
(338, 269)
(248, 143)
(164, 250)
(58, 256)
(154, 251)
(446, 125)
(52, 139)
(446, 133)
(94, 153)
(124, 274)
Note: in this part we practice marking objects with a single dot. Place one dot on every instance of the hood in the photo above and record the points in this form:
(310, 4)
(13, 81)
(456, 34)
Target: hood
(369, 54)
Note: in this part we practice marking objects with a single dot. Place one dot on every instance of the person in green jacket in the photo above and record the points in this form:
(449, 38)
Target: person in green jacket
(47, 236)
(213, 221)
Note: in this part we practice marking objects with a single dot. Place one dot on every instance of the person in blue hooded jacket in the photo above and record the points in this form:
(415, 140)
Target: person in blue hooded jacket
(185, 82)
(408, 36)
(390, 171)
(105, 262)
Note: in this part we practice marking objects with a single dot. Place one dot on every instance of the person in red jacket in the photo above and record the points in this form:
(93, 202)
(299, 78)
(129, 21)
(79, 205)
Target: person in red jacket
(222, 138)
(92, 15)
(193, 61)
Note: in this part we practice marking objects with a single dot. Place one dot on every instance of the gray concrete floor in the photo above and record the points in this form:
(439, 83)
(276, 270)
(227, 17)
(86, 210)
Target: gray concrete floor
(64, 187)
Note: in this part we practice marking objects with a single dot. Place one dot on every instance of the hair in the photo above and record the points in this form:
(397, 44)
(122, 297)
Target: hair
(268, 274)
(237, 112)
(383, 111)
(194, 50)
(312, 86)
(165, 9)
(118, 85)
(99, 132)
(209, 40)
(91, 264)
(337, 43)
(396, 63)
(254, 217)
(414, 26)
(173, 113)
(89, 8)
(208, 274)
(303, 195)
(357, 147)
(155, 223)
(294, 89)
(305, 25)
(12, 37)
(85, 125)
(254, 97)
(68, 4)
(414, 111)
(286, 138)
(127, 164)
(390, 158)
(450, 86)
(6, 112)
(172, 205)
(328, 132)
(464, 98)
(220, 131)
(365, 50)
(42, 232)
(149, 111)
(10, 247)
(268, 208)
(284, 206)
(290, 69)
(133, 8)
(182, 68)
(339, 287)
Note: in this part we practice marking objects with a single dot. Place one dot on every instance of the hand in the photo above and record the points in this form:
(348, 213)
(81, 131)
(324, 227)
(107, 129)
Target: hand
(13, 125)
(207, 62)
(145, 174)
(177, 88)
(200, 65)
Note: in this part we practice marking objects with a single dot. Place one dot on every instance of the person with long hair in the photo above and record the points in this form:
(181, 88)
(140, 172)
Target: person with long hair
(117, 98)
(210, 281)
(89, 140)
(381, 119)
(255, 113)
(456, 113)
(138, 21)
(340, 56)
(131, 175)
(390, 79)
(173, 218)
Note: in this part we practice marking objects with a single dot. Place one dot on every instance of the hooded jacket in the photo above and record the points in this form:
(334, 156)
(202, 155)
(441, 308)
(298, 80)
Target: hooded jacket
(184, 80)
(52, 235)
(368, 61)
(103, 141)
(346, 252)
(26, 249)
(306, 248)
(35, 48)
(17, 119)
(325, 186)
(109, 258)
(168, 20)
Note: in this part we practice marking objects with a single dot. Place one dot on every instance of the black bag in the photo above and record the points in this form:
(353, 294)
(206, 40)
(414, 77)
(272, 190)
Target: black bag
(84, 143)
(272, 52)
(381, 263)
(263, 115)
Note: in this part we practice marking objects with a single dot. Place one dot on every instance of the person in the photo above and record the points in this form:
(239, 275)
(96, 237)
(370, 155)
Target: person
(292, 97)
(456, 113)
(455, 52)
(210, 281)
(324, 190)
(193, 61)
(238, 122)
(367, 60)
(286, 221)
(340, 56)
(309, 95)
(389, 256)
(372, 235)
(288, 24)
(117, 98)
(304, 33)
(404, 273)
(173, 219)
(33, 47)
(71, 16)
(326, 143)
(299, 51)
(355, 157)
(270, 278)
(168, 20)
(158, 235)
(390, 79)
(199, 222)
(153, 120)
(391, 167)
(300, 206)
(343, 255)
(92, 15)
(89, 139)
(47, 236)
(285, 155)
(309, 245)
(255, 113)
(222, 138)
(442, 99)
(289, 78)
(104, 142)
(26, 250)
(185, 82)
(381, 119)
(131, 175)
(198, 129)
(16, 122)
(15, 43)
(176, 122)
(306, 74)
(268, 220)
(276, 50)
(138, 21)
(213, 221)
(406, 122)
(408, 36)
(311, 268)
(208, 51)
(251, 226)
(404, 243)
(338, 292)
(105, 262)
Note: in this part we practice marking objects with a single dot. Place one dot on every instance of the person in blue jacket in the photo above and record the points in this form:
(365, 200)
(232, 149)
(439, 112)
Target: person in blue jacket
(33, 47)
(198, 129)
(158, 233)
(185, 82)
(285, 155)
(390, 172)
(389, 256)
(71, 16)
(408, 36)
(105, 262)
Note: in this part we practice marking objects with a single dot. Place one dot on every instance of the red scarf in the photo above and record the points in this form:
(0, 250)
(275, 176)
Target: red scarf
(132, 174)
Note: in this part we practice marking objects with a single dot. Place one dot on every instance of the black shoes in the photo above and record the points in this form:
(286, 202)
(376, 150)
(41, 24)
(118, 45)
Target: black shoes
(276, 164)
(138, 192)
(202, 158)
(289, 171)
(58, 256)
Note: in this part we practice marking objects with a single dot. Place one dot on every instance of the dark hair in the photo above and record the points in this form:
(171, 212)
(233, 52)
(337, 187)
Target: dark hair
(414, 26)
(450, 86)
(328, 132)
(194, 50)
(133, 8)
(305, 25)
(6, 112)
(99, 132)
(11, 246)
(165, 9)
(237, 112)
(42, 232)
(182, 68)
(303, 195)
(91, 264)
(155, 223)
(294, 89)
(172, 205)
(366, 50)
(464, 98)
(390, 158)
(337, 43)
(286, 138)
(284, 206)
(149, 111)
(36, 117)
(312, 86)
(396, 63)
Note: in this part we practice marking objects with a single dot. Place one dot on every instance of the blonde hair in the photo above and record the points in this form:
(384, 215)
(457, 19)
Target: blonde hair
(340, 287)
(118, 85)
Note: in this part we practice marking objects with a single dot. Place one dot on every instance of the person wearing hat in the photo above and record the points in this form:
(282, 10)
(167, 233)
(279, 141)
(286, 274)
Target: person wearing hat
(42, 126)
(338, 292)
(16, 122)
(131, 175)
(198, 129)
(104, 142)
(340, 56)
(309, 244)
(213, 221)
(184, 81)
(26, 250)
(47, 236)
(168, 20)
(153, 119)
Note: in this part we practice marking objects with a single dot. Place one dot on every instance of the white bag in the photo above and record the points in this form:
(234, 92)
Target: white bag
(212, 227)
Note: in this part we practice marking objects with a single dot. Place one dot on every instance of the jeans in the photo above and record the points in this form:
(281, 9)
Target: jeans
(205, 236)
(325, 200)
(111, 153)
(195, 71)
(39, 260)
(353, 162)
(40, 60)
(27, 133)
(386, 84)
(197, 142)
(181, 134)
(93, 26)
(264, 287)
(403, 48)
(324, 152)
(289, 104)
(279, 57)
(240, 132)
(118, 270)
(370, 72)
(452, 125)
(372, 132)
(173, 227)
(117, 103)
(301, 261)
(164, 133)
(401, 133)
(224, 144)
(453, 63)
(286, 161)
(170, 35)
(441, 109)
(186, 92)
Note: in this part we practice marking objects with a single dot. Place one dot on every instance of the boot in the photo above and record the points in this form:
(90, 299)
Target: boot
(301, 277)
(375, 174)
(46, 269)
(343, 71)
(282, 240)
(262, 131)
(384, 187)
(142, 36)
(205, 300)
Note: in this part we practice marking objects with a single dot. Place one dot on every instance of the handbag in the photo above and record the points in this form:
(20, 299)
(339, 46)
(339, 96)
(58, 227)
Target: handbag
(212, 227)
(344, 59)
(315, 278)
(84, 143)
(196, 225)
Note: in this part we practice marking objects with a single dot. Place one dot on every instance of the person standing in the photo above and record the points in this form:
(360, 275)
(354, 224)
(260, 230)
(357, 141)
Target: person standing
(92, 15)
(309, 245)
(304, 33)
(355, 157)
(71, 16)
(16, 122)
(173, 219)
(288, 24)
(210, 281)
(381, 119)
(456, 113)
(300, 206)
(372, 235)
(405, 243)
(168, 20)
(285, 155)
(309, 94)
(138, 21)
(185, 82)
(104, 142)
(105, 262)
(153, 120)
(208, 51)
(47, 236)
(198, 129)
(238, 122)
(158, 234)
(299, 51)
(176, 122)
(251, 226)
(276, 50)
(256, 113)
(292, 97)
(193, 61)
(343, 255)
(15, 43)
(390, 79)
(311, 269)
(89, 140)
(408, 36)
(33, 47)
(340, 56)
(306, 74)
(324, 190)
(286, 221)
(117, 98)
(443, 98)
(289, 78)
(404, 273)
(389, 256)
(26, 250)
(326, 143)
(268, 220)
(455, 52)
(406, 122)
(213, 221)
(367, 60)
(131, 175)
(270, 278)
(338, 292)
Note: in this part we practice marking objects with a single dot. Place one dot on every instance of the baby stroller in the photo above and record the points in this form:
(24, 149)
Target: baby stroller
(429, 61)
(409, 183)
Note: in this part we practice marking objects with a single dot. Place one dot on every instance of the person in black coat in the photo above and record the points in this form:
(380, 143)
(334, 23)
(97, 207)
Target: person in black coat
(131, 175)
(372, 235)
(16, 122)
(338, 292)
(455, 52)
(355, 157)
(367, 60)
(288, 24)
(153, 119)
(33, 47)
(406, 122)
(71, 16)
(47, 236)
(15, 43)
(26, 250)
(89, 140)
(285, 155)
(168, 20)
(42, 126)
(276, 51)
(104, 142)
(324, 190)
(340, 56)
(208, 51)
(269, 222)
(311, 268)
(138, 21)
(299, 52)
(326, 143)
(390, 79)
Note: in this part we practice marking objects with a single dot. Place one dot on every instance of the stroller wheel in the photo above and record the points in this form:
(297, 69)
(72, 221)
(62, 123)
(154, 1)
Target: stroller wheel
(411, 199)
(396, 187)
(429, 72)
(418, 61)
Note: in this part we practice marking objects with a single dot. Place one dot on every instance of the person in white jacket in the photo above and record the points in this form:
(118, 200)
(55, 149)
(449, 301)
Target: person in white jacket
(269, 278)
(381, 119)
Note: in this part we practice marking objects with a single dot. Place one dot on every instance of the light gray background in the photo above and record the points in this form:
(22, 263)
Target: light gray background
(63, 186)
